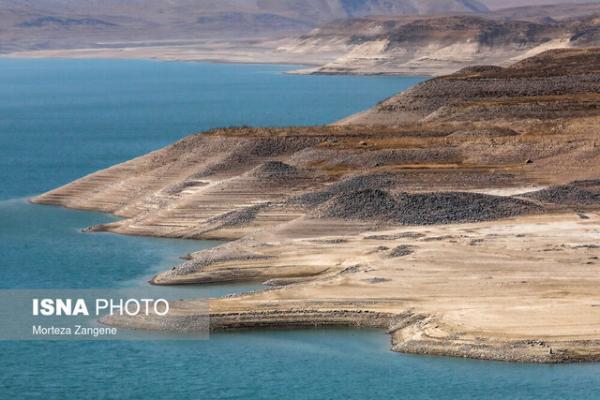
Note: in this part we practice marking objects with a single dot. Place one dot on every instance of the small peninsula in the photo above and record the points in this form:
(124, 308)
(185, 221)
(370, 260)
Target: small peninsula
(462, 216)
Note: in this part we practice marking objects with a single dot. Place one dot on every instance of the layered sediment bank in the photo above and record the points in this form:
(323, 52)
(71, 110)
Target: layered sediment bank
(462, 216)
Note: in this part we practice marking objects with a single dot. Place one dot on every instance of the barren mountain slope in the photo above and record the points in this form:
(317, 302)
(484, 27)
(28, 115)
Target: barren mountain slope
(438, 45)
(352, 37)
(460, 233)
(60, 24)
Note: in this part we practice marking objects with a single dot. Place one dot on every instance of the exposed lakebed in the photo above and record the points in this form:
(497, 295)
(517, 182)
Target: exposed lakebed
(61, 119)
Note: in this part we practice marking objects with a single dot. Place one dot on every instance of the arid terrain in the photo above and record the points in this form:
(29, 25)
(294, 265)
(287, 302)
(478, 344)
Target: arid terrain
(438, 45)
(462, 216)
(434, 38)
(72, 24)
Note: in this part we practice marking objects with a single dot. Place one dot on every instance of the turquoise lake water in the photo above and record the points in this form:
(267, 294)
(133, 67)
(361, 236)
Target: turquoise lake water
(61, 119)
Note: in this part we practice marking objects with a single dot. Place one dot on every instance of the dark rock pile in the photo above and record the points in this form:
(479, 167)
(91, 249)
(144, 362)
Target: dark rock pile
(274, 170)
(455, 207)
(351, 184)
(369, 204)
(238, 217)
(401, 251)
(403, 235)
(579, 193)
(423, 208)
(309, 200)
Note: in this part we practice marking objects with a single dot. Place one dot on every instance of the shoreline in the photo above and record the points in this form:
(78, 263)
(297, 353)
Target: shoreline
(310, 64)
(462, 215)
(315, 266)
(400, 326)
(411, 331)
(16, 56)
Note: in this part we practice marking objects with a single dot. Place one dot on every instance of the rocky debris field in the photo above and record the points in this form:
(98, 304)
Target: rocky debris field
(238, 217)
(274, 170)
(423, 208)
(579, 193)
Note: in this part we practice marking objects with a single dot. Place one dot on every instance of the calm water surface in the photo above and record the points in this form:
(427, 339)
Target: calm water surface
(61, 119)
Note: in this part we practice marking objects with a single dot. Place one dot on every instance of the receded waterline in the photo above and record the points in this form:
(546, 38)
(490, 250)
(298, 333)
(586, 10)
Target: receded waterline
(63, 119)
